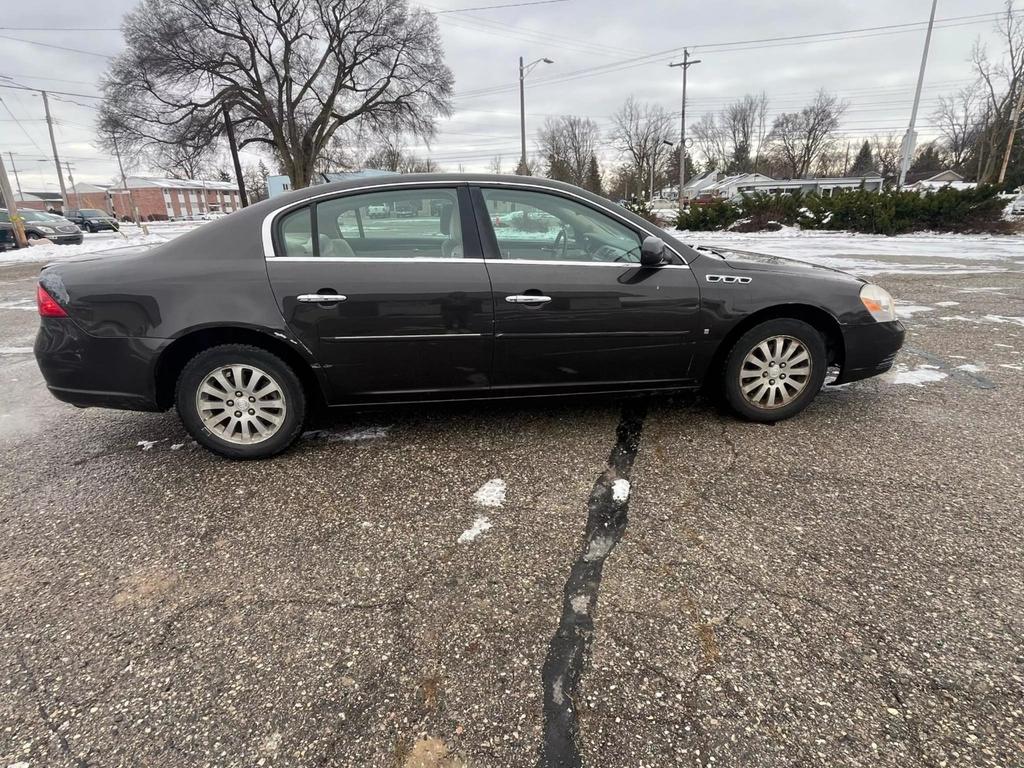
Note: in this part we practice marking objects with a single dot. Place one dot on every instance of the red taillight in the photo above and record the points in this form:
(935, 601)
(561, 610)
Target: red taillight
(47, 306)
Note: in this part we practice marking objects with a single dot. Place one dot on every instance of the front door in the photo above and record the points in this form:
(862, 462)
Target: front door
(391, 296)
(573, 307)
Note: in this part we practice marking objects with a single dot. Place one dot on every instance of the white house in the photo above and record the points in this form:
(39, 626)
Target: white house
(938, 181)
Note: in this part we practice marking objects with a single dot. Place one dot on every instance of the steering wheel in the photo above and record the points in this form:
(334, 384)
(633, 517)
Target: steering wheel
(565, 243)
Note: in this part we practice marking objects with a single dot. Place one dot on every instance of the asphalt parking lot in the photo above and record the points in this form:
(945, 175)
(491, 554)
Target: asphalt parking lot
(475, 585)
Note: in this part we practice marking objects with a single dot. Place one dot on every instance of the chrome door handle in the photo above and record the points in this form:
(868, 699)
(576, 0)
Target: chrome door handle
(320, 298)
(524, 298)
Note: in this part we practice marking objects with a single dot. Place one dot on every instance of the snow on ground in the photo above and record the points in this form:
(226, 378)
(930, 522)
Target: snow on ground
(920, 254)
(130, 235)
(491, 493)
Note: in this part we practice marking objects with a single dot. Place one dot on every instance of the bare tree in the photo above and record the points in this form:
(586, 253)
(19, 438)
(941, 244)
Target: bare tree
(390, 154)
(567, 144)
(800, 138)
(886, 150)
(639, 132)
(1002, 85)
(292, 71)
(958, 121)
(495, 165)
(711, 140)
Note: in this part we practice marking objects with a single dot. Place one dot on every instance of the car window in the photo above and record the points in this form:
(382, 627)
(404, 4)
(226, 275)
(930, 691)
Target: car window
(411, 223)
(540, 226)
(296, 233)
(4, 216)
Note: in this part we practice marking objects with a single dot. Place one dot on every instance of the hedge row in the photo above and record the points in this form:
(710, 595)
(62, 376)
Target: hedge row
(885, 213)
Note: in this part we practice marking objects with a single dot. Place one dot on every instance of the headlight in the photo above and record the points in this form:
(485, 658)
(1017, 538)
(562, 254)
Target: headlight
(94, 221)
(47, 230)
(878, 302)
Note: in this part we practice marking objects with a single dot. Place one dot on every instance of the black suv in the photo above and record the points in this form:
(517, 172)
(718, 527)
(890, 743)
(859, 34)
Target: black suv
(92, 219)
(39, 225)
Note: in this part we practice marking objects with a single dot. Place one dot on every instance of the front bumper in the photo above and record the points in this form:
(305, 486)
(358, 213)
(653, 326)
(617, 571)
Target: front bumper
(65, 238)
(86, 370)
(870, 349)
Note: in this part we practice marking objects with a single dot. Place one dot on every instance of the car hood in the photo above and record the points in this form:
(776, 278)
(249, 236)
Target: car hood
(764, 262)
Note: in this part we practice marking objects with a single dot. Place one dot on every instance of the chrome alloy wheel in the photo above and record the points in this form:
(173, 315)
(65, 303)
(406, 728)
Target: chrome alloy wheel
(241, 404)
(775, 372)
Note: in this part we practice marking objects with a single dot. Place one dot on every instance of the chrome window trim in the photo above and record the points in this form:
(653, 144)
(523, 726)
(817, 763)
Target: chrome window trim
(443, 260)
(268, 220)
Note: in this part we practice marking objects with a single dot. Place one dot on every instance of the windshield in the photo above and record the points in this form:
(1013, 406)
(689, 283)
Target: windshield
(34, 215)
(92, 212)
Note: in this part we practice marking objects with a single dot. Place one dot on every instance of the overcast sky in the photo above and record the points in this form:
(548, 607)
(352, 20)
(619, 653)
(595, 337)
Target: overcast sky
(875, 71)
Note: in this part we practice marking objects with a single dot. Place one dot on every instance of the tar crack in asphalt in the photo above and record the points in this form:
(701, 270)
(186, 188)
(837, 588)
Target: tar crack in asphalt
(607, 516)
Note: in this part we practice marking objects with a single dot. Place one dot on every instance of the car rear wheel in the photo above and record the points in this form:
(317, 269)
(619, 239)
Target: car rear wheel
(775, 370)
(240, 401)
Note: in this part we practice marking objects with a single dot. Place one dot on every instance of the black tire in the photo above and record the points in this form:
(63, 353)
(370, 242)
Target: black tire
(797, 329)
(195, 373)
(32, 236)
(90, 228)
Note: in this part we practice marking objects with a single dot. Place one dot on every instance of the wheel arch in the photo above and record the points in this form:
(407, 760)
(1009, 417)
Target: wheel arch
(818, 318)
(174, 358)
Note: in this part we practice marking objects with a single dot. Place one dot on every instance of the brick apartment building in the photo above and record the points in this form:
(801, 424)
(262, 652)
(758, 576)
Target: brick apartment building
(159, 199)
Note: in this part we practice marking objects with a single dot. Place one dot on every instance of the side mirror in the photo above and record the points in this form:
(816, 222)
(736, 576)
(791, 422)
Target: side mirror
(652, 252)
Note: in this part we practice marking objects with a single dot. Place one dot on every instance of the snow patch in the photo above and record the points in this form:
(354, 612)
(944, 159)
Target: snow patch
(491, 493)
(15, 350)
(971, 368)
(347, 436)
(909, 310)
(620, 491)
(598, 548)
(580, 603)
(1012, 367)
(147, 445)
(947, 303)
(480, 525)
(917, 377)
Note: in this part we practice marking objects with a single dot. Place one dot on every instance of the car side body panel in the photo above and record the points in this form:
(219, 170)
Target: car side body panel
(129, 307)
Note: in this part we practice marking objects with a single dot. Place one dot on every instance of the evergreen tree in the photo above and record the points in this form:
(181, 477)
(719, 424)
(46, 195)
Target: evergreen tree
(740, 161)
(929, 159)
(864, 163)
(593, 180)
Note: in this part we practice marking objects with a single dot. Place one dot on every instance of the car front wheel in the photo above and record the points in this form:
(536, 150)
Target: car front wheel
(241, 402)
(775, 370)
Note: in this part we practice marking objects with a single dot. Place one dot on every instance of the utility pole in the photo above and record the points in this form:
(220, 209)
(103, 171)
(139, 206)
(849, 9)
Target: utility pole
(1014, 119)
(124, 183)
(17, 181)
(910, 138)
(686, 63)
(12, 207)
(71, 179)
(524, 70)
(230, 129)
(56, 157)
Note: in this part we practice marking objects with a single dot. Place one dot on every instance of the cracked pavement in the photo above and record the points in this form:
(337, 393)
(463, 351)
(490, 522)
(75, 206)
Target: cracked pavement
(844, 588)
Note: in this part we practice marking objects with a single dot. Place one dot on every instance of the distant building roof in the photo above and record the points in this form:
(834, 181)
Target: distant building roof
(45, 196)
(942, 176)
(136, 182)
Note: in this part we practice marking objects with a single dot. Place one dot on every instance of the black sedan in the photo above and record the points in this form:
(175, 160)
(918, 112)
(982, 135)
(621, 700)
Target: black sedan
(248, 324)
(39, 225)
(93, 220)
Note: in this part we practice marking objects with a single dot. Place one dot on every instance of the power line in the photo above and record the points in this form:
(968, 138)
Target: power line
(493, 7)
(803, 39)
(58, 47)
(22, 127)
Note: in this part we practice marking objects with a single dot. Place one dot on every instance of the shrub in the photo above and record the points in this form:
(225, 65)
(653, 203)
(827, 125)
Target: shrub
(886, 213)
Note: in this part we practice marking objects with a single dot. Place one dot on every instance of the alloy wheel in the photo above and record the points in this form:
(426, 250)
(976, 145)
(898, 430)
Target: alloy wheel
(241, 404)
(775, 372)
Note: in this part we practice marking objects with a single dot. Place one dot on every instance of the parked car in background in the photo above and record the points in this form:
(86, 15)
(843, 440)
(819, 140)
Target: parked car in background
(92, 219)
(39, 225)
(249, 324)
(1017, 206)
(377, 211)
(405, 210)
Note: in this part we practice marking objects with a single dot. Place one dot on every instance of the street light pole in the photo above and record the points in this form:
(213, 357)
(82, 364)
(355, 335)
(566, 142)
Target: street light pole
(524, 70)
(686, 63)
(910, 138)
(17, 180)
(12, 207)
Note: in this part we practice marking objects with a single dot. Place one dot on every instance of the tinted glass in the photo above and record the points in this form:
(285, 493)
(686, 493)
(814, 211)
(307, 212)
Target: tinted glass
(296, 234)
(539, 226)
(414, 223)
(4, 216)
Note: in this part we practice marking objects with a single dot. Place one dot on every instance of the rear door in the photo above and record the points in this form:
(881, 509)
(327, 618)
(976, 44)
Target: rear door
(573, 307)
(394, 308)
